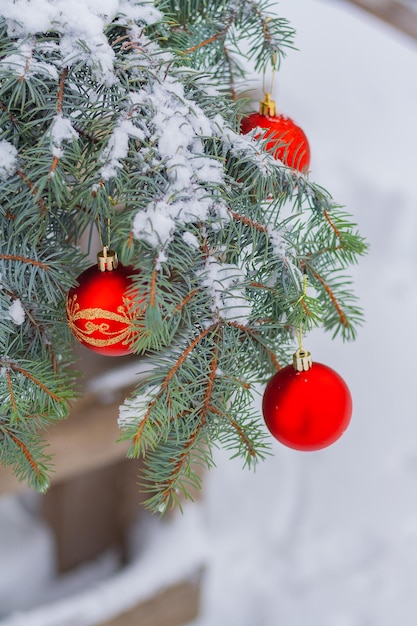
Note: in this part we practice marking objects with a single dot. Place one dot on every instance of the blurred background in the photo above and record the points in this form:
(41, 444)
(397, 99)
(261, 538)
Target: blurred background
(318, 539)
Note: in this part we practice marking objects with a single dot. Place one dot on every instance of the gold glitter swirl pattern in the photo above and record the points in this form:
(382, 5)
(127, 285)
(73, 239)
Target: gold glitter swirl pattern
(83, 324)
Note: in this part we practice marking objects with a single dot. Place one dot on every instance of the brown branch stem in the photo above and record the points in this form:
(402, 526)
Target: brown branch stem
(185, 300)
(332, 225)
(202, 421)
(23, 259)
(243, 437)
(335, 302)
(10, 386)
(248, 331)
(33, 189)
(152, 289)
(168, 379)
(25, 451)
(61, 87)
(209, 40)
(248, 221)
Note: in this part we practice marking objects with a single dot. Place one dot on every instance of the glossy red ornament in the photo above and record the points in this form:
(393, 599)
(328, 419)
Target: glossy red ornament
(287, 141)
(307, 410)
(100, 312)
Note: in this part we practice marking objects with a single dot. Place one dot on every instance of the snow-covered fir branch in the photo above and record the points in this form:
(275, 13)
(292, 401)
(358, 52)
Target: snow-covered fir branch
(116, 113)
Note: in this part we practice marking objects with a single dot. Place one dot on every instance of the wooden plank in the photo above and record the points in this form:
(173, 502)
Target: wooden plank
(174, 606)
(93, 512)
(392, 12)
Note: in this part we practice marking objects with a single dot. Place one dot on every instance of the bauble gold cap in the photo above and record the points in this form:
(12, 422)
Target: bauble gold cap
(267, 106)
(107, 260)
(302, 360)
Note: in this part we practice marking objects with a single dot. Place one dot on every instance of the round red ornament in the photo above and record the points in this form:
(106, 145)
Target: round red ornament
(100, 310)
(286, 140)
(307, 409)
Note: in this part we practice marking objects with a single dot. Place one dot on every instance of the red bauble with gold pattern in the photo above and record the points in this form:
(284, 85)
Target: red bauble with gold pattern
(100, 309)
(308, 406)
(286, 140)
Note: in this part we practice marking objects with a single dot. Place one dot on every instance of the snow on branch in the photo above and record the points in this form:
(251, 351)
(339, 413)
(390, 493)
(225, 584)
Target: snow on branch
(226, 284)
(23, 64)
(16, 312)
(61, 130)
(118, 146)
(177, 125)
(8, 159)
(81, 25)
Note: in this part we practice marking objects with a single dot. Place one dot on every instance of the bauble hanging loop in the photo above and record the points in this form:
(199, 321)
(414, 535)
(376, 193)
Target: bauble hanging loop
(307, 406)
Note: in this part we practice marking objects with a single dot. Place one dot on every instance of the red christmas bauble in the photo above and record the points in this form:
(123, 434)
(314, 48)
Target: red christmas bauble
(287, 141)
(100, 312)
(307, 410)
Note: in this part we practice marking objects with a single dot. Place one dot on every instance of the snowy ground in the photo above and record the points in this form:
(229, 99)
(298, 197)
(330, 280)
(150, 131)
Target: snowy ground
(328, 538)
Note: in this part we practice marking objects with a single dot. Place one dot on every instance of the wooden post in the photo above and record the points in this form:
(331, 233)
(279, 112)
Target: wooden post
(94, 497)
(392, 12)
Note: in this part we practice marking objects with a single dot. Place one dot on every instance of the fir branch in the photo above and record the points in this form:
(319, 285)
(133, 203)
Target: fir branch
(218, 35)
(10, 115)
(206, 403)
(245, 440)
(248, 222)
(61, 87)
(219, 231)
(54, 165)
(332, 224)
(152, 288)
(25, 451)
(257, 337)
(176, 481)
(34, 190)
(22, 259)
(342, 317)
(136, 439)
(10, 386)
(178, 471)
(188, 350)
(53, 356)
(181, 305)
(31, 377)
(229, 62)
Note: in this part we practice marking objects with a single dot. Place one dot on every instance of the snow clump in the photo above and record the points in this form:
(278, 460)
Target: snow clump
(8, 159)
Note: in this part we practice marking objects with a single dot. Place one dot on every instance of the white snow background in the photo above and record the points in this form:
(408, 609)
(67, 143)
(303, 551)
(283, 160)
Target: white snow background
(326, 538)
(330, 538)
